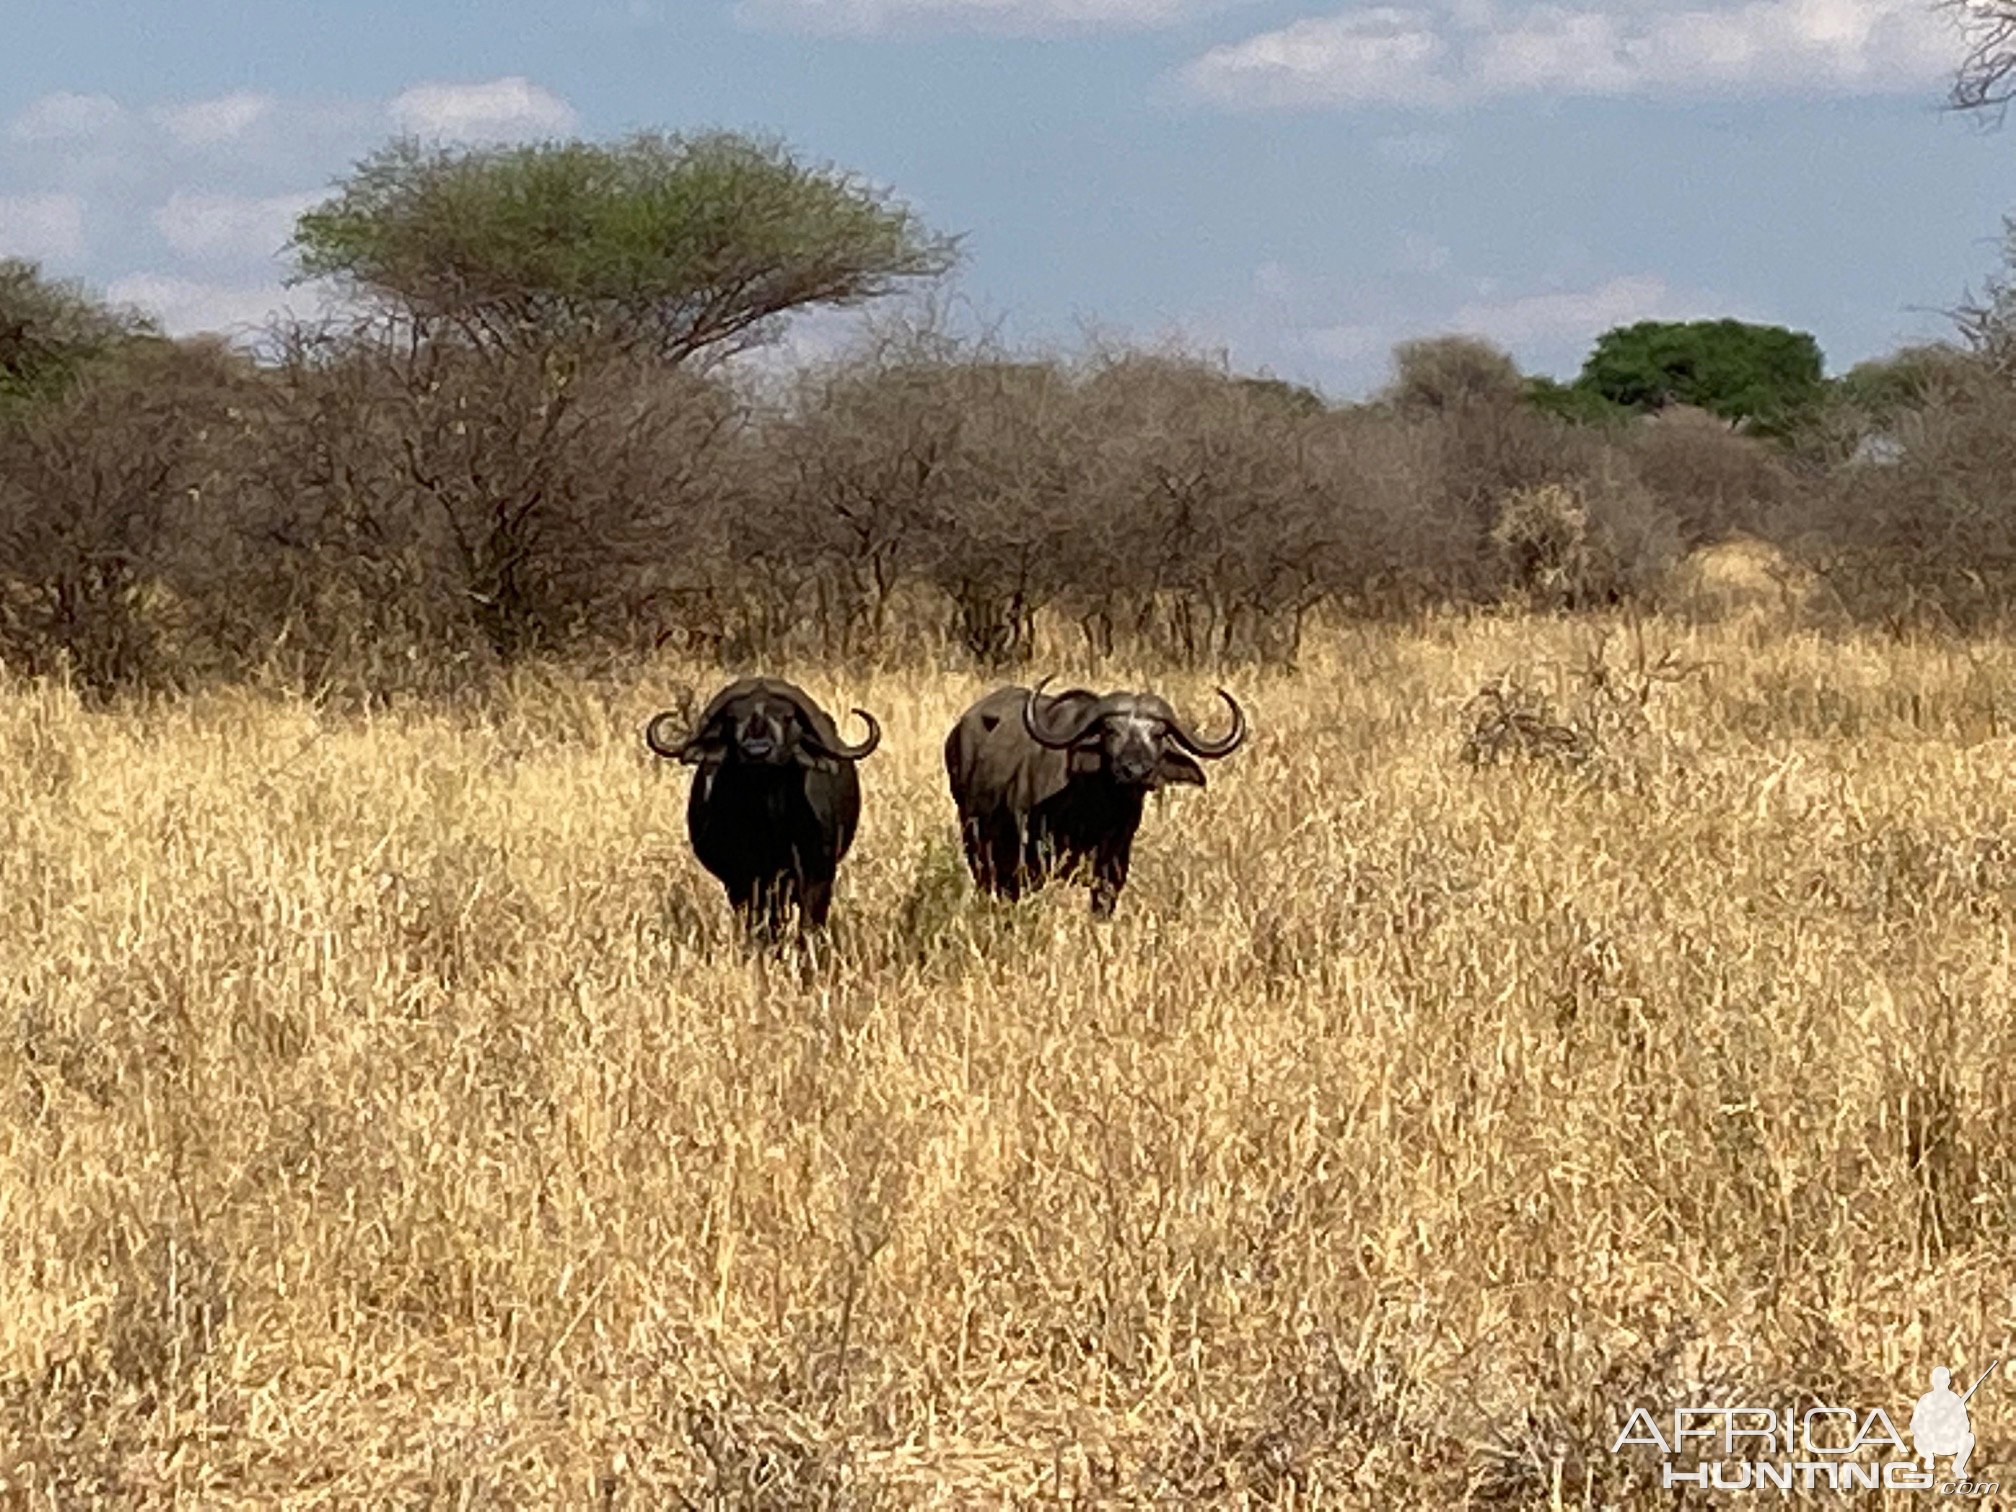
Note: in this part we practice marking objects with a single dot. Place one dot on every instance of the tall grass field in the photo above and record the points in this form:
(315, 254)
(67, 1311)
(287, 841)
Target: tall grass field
(391, 1116)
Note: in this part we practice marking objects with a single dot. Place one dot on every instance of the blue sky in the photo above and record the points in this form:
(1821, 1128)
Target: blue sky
(1300, 183)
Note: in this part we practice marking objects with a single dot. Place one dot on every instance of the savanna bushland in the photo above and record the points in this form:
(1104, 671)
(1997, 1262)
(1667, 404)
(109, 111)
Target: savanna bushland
(1589, 988)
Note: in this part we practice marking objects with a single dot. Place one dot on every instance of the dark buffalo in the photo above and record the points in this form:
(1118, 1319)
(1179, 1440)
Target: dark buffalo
(1046, 784)
(776, 800)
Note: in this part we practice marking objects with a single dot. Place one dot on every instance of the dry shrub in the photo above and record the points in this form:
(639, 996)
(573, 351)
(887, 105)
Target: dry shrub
(1208, 526)
(409, 511)
(1595, 719)
(912, 463)
(1153, 498)
(1744, 578)
(388, 511)
(1508, 719)
(107, 505)
(1013, 499)
(1572, 546)
(1926, 537)
(1451, 373)
(1709, 478)
(851, 479)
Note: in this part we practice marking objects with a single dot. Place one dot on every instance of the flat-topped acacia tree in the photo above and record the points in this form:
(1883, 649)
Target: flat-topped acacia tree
(662, 245)
(528, 379)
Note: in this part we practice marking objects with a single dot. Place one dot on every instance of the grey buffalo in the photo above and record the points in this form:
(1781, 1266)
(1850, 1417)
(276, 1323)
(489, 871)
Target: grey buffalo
(1051, 786)
(775, 801)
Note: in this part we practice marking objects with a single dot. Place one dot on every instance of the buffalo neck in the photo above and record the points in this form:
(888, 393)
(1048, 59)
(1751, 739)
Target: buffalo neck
(1096, 801)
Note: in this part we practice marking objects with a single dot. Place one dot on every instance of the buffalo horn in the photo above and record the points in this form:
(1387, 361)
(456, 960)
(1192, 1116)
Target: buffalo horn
(1212, 750)
(845, 752)
(1058, 740)
(671, 746)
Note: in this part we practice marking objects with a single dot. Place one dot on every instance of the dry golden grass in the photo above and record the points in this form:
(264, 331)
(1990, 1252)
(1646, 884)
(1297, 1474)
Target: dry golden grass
(390, 1119)
(1743, 577)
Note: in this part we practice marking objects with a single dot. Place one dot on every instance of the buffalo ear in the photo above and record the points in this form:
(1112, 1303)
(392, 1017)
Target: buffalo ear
(1085, 761)
(1175, 767)
(709, 744)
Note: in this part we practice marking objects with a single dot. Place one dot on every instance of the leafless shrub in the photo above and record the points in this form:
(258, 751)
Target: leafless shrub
(103, 501)
(1508, 719)
(1928, 538)
(856, 474)
(1711, 480)
(383, 508)
(1983, 81)
(1210, 523)
(1596, 721)
(1478, 455)
(1000, 537)
(1576, 545)
(1443, 373)
(405, 494)
(1618, 694)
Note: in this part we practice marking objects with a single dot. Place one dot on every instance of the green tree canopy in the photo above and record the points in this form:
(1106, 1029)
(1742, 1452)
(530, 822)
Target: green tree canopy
(668, 244)
(1767, 375)
(51, 329)
(1572, 401)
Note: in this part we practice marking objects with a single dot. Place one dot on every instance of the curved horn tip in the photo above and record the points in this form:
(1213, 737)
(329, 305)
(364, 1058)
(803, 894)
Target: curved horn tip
(872, 740)
(1212, 750)
(1055, 740)
(671, 751)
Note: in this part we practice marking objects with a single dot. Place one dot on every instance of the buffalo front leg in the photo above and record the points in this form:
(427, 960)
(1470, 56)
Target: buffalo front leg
(817, 895)
(1002, 863)
(1109, 876)
(973, 839)
(761, 904)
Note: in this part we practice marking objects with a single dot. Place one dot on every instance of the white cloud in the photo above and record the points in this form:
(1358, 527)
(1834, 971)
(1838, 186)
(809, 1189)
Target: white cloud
(186, 205)
(190, 306)
(188, 202)
(207, 123)
(1556, 320)
(229, 225)
(499, 110)
(1548, 330)
(1473, 50)
(1384, 55)
(66, 117)
(1576, 315)
(1002, 17)
(42, 226)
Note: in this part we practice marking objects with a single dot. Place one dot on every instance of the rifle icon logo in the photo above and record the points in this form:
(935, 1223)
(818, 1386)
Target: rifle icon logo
(1939, 1423)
